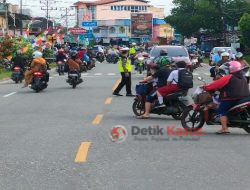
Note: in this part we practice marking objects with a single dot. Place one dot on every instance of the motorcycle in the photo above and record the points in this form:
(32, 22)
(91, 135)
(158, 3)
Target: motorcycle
(100, 57)
(74, 79)
(61, 67)
(175, 103)
(83, 67)
(140, 64)
(40, 81)
(17, 75)
(195, 61)
(112, 58)
(204, 111)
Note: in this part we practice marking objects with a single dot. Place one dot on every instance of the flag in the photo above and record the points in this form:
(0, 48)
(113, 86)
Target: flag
(27, 32)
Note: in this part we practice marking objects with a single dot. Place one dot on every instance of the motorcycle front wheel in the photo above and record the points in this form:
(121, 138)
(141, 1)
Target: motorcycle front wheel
(138, 108)
(192, 120)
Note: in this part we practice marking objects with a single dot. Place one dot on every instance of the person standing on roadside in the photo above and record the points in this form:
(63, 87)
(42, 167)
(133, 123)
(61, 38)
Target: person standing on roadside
(125, 70)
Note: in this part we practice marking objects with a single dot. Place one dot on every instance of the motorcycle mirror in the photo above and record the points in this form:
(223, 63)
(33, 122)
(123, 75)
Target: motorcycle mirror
(200, 78)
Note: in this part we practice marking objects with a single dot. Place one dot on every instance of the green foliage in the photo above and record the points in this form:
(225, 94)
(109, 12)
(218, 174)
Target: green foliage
(244, 25)
(189, 16)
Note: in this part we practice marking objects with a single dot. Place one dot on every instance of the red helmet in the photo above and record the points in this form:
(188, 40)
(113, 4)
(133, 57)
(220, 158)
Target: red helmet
(234, 67)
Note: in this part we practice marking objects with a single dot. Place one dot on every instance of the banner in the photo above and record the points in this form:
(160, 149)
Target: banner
(141, 25)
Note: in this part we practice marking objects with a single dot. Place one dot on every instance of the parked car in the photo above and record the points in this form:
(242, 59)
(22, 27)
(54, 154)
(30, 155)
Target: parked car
(227, 49)
(175, 53)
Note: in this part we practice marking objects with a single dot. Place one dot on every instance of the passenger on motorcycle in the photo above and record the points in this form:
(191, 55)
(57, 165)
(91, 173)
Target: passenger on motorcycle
(74, 63)
(38, 64)
(232, 87)
(172, 84)
(160, 74)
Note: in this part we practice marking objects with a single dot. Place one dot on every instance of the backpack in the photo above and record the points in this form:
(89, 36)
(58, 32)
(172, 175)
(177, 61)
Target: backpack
(163, 61)
(185, 79)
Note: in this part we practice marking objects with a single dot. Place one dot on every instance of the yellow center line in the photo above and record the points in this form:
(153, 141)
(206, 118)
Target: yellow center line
(116, 84)
(108, 101)
(97, 119)
(82, 153)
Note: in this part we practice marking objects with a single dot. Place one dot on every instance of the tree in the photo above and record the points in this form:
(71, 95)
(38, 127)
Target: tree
(244, 25)
(189, 16)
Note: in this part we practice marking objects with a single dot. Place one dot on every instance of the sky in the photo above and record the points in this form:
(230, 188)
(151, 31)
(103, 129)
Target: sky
(35, 7)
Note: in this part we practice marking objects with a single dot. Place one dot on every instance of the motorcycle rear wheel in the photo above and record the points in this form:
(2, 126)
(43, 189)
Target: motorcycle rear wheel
(138, 108)
(196, 118)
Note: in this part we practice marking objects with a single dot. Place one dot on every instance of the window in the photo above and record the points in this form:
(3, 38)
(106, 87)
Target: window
(146, 8)
(112, 8)
(136, 9)
(121, 30)
(143, 8)
(140, 7)
(118, 8)
(115, 8)
(112, 30)
(96, 30)
(125, 8)
(132, 9)
(122, 8)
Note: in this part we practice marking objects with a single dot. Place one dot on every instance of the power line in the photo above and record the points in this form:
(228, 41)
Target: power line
(47, 8)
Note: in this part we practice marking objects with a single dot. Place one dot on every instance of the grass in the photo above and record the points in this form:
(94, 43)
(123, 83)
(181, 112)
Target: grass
(5, 74)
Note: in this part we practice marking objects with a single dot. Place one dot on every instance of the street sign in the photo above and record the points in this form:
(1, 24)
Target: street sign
(77, 31)
(89, 24)
(52, 39)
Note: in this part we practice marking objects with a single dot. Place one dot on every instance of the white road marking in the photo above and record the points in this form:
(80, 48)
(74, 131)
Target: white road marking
(98, 74)
(10, 94)
(85, 74)
(111, 74)
(51, 77)
(5, 82)
(196, 74)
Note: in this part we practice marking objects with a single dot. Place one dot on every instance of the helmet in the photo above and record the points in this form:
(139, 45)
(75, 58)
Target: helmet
(124, 49)
(225, 54)
(234, 67)
(239, 55)
(37, 54)
(73, 54)
(133, 44)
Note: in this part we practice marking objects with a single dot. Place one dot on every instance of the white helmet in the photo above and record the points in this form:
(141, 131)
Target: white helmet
(37, 54)
(125, 49)
(239, 55)
(225, 54)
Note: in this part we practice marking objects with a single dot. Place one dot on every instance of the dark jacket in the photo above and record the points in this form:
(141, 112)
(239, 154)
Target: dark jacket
(231, 87)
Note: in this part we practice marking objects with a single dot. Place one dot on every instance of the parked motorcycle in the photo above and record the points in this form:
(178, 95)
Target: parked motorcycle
(74, 79)
(175, 103)
(17, 75)
(40, 81)
(205, 111)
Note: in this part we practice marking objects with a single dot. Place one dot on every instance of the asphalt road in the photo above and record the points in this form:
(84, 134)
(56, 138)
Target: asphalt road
(59, 140)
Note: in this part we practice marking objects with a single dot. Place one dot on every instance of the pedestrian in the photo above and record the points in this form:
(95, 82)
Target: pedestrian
(125, 70)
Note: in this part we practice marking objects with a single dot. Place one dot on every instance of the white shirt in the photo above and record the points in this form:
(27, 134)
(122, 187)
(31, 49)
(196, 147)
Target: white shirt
(173, 77)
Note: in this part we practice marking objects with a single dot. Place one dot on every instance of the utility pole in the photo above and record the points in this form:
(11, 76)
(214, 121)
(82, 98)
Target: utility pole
(47, 9)
(66, 15)
(6, 16)
(21, 20)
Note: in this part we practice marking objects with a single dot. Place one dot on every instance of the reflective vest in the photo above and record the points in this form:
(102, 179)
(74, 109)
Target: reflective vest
(132, 51)
(128, 66)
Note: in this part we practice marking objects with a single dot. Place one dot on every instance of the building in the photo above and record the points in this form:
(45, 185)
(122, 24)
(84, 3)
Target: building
(113, 18)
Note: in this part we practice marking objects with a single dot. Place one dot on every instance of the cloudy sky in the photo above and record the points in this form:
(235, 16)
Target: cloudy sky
(35, 6)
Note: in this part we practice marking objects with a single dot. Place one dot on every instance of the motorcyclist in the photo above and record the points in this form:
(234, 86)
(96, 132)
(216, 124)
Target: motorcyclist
(141, 53)
(61, 56)
(224, 59)
(132, 53)
(38, 64)
(160, 73)
(232, 87)
(19, 61)
(74, 63)
(244, 64)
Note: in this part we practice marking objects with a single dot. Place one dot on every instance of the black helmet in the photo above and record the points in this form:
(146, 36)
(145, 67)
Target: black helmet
(73, 54)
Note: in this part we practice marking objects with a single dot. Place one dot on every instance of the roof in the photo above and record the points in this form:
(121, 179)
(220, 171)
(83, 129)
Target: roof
(102, 2)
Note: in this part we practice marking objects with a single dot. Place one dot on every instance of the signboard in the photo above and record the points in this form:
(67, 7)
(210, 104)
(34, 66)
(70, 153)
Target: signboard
(141, 25)
(89, 24)
(77, 31)
(2, 8)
